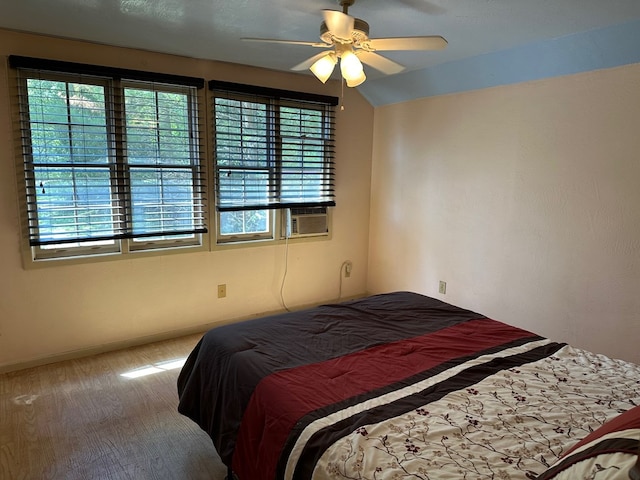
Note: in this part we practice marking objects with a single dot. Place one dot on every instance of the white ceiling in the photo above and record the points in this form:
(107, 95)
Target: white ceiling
(212, 29)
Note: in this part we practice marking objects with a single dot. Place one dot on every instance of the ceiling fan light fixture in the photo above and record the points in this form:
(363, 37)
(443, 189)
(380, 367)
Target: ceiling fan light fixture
(350, 66)
(323, 67)
(348, 39)
(354, 82)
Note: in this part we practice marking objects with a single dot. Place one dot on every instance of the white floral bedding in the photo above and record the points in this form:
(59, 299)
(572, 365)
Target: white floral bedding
(512, 425)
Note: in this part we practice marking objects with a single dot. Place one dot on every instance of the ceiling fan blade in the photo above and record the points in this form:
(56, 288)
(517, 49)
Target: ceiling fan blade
(380, 63)
(288, 42)
(308, 62)
(339, 24)
(434, 42)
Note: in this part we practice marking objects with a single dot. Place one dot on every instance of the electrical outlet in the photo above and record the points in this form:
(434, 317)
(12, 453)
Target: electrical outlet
(347, 268)
(442, 288)
(222, 290)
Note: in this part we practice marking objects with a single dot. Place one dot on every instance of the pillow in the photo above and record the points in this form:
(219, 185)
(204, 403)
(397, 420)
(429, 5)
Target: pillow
(606, 453)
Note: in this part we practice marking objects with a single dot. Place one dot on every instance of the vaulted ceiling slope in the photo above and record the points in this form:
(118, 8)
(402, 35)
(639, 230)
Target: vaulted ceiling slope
(491, 42)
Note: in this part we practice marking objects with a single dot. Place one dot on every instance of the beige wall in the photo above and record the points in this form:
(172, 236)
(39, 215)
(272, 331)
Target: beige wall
(525, 199)
(52, 311)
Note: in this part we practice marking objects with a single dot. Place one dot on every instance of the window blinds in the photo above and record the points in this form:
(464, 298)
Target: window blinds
(273, 148)
(109, 153)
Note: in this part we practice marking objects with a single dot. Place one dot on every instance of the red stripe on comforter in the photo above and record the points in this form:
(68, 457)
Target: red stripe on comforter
(281, 399)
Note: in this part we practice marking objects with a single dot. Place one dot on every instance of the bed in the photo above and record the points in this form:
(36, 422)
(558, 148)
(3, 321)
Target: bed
(400, 385)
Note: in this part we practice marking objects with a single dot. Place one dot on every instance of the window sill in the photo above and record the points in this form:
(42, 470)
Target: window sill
(30, 263)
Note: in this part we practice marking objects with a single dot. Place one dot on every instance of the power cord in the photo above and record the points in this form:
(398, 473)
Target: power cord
(286, 267)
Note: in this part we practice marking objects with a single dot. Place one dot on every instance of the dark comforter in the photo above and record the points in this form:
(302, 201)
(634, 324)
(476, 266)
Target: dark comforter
(274, 394)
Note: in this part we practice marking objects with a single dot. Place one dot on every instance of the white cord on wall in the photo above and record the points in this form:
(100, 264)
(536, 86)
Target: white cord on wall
(345, 269)
(286, 267)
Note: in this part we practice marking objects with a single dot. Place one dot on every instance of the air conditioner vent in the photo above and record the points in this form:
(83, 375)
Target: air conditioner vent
(307, 221)
(308, 210)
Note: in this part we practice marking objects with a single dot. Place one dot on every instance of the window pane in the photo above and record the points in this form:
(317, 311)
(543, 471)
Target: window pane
(68, 122)
(242, 133)
(158, 127)
(301, 122)
(303, 155)
(73, 202)
(236, 187)
(244, 222)
(162, 200)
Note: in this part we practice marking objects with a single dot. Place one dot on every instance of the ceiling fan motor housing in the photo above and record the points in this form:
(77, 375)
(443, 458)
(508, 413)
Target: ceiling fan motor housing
(360, 33)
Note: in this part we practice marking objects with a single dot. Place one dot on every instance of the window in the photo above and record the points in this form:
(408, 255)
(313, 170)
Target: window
(273, 150)
(111, 159)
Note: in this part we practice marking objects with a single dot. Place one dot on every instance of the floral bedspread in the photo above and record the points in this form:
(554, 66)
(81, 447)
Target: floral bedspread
(510, 425)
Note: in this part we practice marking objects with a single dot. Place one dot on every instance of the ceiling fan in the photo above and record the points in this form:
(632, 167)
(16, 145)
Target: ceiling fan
(348, 39)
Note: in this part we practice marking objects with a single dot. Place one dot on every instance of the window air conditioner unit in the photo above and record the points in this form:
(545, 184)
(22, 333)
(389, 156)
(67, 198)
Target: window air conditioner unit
(306, 222)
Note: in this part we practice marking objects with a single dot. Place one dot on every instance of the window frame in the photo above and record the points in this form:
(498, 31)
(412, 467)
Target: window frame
(114, 80)
(139, 244)
(227, 238)
(274, 100)
(114, 83)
